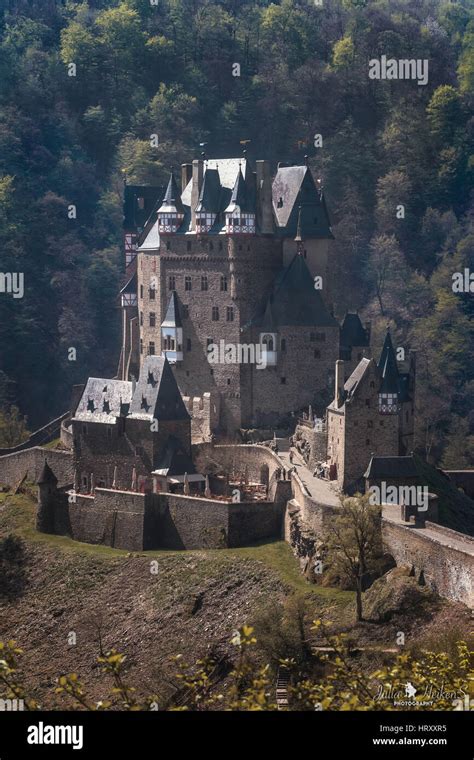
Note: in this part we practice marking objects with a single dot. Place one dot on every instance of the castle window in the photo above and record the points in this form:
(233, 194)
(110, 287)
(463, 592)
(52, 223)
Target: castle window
(188, 344)
(141, 318)
(228, 381)
(85, 482)
(141, 291)
(283, 380)
(151, 348)
(230, 313)
(317, 353)
(224, 283)
(152, 319)
(188, 283)
(388, 403)
(212, 371)
(211, 246)
(220, 245)
(168, 245)
(280, 202)
(204, 282)
(141, 345)
(188, 245)
(283, 344)
(209, 342)
(172, 282)
(215, 313)
(152, 294)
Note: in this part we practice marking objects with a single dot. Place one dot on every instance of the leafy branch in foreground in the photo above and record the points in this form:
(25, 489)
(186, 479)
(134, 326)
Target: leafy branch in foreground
(435, 681)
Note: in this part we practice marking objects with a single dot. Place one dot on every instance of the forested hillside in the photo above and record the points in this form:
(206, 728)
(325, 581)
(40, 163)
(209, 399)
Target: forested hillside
(167, 69)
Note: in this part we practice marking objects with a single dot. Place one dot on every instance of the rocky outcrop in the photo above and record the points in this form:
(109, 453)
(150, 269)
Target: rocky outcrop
(396, 591)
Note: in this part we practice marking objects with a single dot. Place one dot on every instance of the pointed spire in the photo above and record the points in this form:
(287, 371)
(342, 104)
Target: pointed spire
(299, 236)
(172, 316)
(387, 365)
(172, 199)
(47, 475)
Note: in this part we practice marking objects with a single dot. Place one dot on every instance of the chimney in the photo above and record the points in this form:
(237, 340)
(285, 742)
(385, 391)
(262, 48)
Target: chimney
(264, 197)
(186, 175)
(339, 383)
(198, 165)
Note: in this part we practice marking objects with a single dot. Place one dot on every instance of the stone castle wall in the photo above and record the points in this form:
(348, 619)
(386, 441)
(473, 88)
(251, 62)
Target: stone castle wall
(137, 521)
(30, 462)
(448, 570)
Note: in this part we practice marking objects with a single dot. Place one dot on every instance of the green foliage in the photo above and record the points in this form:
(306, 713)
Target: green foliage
(167, 70)
(13, 427)
(249, 686)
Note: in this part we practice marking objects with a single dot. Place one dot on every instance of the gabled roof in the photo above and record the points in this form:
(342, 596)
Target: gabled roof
(157, 394)
(299, 205)
(135, 212)
(243, 195)
(131, 285)
(387, 365)
(102, 400)
(294, 299)
(391, 467)
(352, 332)
(173, 459)
(171, 202)
(172, 316)
(210, 196)
(352, 383)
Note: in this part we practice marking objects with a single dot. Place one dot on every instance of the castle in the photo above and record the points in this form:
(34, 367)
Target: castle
(238, 257)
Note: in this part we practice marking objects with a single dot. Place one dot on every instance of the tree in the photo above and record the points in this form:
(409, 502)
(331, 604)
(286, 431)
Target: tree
(354, 542)
(386, 268)
(13, 427)
(459, 450)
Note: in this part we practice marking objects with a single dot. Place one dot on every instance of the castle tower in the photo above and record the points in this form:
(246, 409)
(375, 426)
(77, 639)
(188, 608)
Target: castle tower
(47, 494)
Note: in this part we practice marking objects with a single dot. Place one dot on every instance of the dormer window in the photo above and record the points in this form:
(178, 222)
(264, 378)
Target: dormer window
(90, 405)
(204, 221)
(240, 224)
(280, 202)
(388, 403)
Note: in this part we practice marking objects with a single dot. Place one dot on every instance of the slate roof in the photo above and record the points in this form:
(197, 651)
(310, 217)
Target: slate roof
(210, 196)
(352, 332)
(391, 467)
(352, 383)
(171, 202)
(173, 315)
(157, 394)
(294, 300)
(387, 365)
(243, 194)
(173, 460)
(47, 475)
(299, 206)
(131, 285)
(101, 400)
(134, 217)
